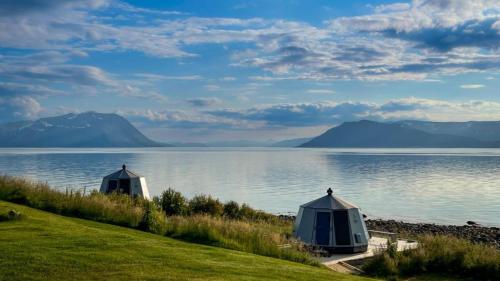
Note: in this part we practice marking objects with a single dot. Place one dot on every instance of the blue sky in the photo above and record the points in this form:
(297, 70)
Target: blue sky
(260, 70)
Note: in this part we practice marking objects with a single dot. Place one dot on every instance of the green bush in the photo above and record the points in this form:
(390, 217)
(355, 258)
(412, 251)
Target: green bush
(246, 212)
(205, 204)
(381, 266)
(232, 210)
(441, 255)
(172, 202)
(153, 220)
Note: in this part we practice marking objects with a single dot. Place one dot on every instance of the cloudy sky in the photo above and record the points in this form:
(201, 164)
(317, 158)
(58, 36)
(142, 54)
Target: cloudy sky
(256, 70)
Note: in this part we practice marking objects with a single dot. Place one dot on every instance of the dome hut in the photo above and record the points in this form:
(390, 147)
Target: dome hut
(332, 224)
(125, 181)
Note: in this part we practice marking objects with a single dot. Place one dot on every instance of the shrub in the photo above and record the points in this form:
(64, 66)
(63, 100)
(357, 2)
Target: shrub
(205, 204)
(248, 213)
(381, 265)
(172, 202)
(153, 220)
(232, 210)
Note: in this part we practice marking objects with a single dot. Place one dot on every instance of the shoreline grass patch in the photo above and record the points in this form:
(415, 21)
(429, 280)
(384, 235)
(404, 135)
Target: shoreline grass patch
(445, 255)
(257, 237)
(203, 219)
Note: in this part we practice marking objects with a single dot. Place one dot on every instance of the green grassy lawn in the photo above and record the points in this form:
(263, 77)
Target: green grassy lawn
(44, 246)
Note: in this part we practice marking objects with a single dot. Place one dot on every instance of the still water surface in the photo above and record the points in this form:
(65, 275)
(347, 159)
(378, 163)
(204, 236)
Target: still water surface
(447, 186)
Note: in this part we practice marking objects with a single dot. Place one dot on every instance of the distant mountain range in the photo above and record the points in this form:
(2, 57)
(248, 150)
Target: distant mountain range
(237, 143)
(244, 143)
(480, 130)
(401, 134)
(92, 129)
(89, 129)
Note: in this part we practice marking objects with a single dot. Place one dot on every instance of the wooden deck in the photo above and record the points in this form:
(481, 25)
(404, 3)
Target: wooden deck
(376, 245)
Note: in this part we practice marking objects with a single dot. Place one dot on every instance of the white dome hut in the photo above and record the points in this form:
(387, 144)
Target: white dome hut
(333, 224)
(127, 182)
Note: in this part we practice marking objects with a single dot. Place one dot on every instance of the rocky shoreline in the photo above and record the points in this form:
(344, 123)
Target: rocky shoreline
(472, 232)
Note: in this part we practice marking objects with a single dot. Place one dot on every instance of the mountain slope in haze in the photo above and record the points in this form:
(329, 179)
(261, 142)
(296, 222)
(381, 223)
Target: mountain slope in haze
(291, 142)
(390, 135)
(89, 129)
(480, 130)
(237, 143)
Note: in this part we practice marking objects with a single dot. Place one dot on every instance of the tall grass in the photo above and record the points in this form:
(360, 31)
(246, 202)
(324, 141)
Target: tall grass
(203, 219)
(254, 237)
(442, 255)
(115, 209)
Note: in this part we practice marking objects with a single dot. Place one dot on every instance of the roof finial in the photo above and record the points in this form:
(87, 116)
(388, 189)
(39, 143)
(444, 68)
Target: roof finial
(329, 191)
(124, 166)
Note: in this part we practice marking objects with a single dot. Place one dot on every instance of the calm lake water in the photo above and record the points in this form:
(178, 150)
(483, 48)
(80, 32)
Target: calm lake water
(448, 186)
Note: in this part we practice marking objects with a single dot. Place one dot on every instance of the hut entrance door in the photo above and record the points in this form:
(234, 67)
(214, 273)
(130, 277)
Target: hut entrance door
(125, 186)
(323, 228)
(112, 185)
(341, 225)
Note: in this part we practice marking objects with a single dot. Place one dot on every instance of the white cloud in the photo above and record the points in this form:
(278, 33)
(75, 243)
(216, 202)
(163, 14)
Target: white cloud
(133, 9)
(279, 78)
(400, 41)
(332, 113)
(10, 89)
(285, 116)
(228, 78)
(52, 66)
(472, 86)
(159, 77)
(395, 7)
(185, 120)
(43, 74)
(16, 108)
(422, 14)
(212, 87)
(320, 91)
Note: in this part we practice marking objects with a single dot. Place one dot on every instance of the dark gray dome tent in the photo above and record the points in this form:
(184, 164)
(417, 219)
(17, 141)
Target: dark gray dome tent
(125, 181)
(333, 224)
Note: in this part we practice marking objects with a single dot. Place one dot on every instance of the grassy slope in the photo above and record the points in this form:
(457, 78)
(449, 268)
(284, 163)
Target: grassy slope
(44, 246)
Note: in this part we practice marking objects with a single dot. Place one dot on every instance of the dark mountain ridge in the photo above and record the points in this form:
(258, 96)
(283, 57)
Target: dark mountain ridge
(290, 142)
(88, 129)
(401, 134)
